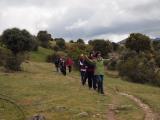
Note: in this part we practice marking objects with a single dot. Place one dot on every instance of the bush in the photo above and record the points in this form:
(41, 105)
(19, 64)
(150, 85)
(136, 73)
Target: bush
(60, 42)
(51, 58)
(127, 54)
(157, 80)
(56, 48)
(156, 45)
(101, 45)
(35, 44)
(44, 37)
(157, 60)
(74, 52)
(138, 69)
(138, 42)
(3, 55)
(112, 64)
(13, 62)
(18, 42)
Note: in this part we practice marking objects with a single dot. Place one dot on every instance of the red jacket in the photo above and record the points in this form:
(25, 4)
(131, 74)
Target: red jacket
(69, 62)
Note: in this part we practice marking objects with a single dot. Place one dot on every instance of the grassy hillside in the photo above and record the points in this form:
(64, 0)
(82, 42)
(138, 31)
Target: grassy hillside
(41, 90)
(38, 89)
(40, 55)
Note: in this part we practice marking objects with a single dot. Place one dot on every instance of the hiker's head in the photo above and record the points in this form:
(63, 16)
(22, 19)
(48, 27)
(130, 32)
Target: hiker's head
(98, 54)
(91, 54)
(82, 56)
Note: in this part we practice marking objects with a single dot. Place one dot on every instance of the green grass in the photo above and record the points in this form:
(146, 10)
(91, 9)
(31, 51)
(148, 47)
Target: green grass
(40, 55)
(38, 89)
(148, 94)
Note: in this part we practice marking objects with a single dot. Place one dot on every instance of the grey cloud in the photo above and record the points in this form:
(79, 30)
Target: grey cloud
(146, 27)
(99, 17)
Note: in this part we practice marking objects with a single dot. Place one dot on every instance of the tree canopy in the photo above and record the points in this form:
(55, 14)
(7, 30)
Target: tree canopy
(138, 42)
(17, 40)
(101, 45)
(44, 37)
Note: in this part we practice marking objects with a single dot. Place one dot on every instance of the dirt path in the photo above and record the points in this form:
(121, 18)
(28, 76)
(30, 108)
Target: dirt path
(149, 115)
(111, 113)
(111, 108)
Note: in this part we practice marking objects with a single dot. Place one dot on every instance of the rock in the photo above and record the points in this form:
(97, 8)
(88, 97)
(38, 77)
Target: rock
(117, 111)
(94, 116)
(97, 114)
(83, 114)
(124, 107)
(60, 108)
(37, 117)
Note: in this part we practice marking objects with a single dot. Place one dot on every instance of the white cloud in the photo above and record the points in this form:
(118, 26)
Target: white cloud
(86, 19)
(80, 23)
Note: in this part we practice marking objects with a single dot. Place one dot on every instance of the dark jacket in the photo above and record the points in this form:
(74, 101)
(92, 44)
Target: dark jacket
(90, 66)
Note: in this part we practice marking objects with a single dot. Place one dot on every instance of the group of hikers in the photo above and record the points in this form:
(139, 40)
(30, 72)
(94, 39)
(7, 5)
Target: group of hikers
(61, 64)
(91, 68)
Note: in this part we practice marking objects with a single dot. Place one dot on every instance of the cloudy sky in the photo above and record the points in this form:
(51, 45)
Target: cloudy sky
(87, 19)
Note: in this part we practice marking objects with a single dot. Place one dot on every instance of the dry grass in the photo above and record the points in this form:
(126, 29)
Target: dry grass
(38, 89)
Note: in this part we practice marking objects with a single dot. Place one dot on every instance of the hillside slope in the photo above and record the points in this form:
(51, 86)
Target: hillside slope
(40, 90)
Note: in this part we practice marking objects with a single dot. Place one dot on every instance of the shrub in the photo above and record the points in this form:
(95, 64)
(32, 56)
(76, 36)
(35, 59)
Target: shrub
(157, 59)
(51, 58)
(3, 55)
(60, 42)
(75, 50)
(18, 42)
(35, 44)
(13, 62)
(101, 45)
(138, 69)
(44, 37)
(138, 42)
(157, 80)
(112, 64)
(56, 48)
(156, 45)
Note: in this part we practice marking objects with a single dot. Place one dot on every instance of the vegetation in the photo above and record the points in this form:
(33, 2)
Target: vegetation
(101, 45)
(18, 42)
(40, 55)
(156, 45)
(40, 90)
(60, 44)
(44, 37)
(138, 42)
(80, 41)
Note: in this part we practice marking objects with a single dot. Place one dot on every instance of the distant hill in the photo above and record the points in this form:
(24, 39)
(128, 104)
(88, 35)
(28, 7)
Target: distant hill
(156, 39)
(122, 41)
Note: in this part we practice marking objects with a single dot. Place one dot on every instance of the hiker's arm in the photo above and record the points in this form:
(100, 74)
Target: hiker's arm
(89, 60)
(106, 61)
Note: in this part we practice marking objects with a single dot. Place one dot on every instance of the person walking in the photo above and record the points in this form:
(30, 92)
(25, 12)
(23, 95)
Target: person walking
(63, 66)
(99, 71)
(82, 67)
(57, 62)
(69, 63)
(90, 72)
